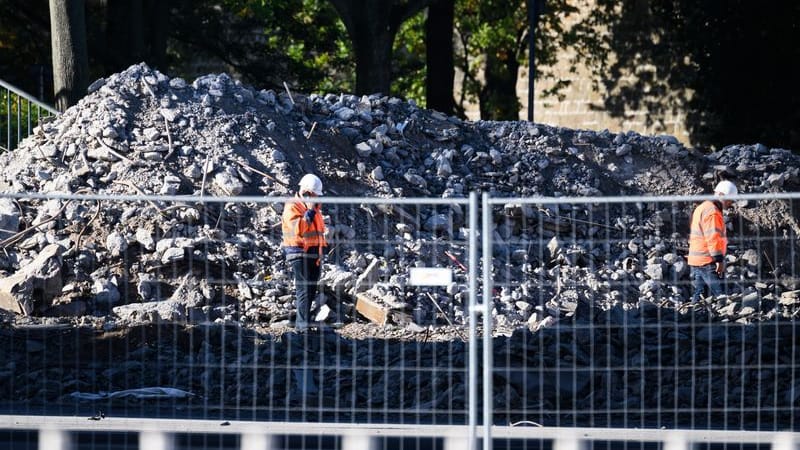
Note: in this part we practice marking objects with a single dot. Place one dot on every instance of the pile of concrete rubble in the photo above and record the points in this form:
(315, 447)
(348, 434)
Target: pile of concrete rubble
(140, 132)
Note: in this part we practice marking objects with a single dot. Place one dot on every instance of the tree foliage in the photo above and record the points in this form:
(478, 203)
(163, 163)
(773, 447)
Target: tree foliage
(265, 42)
(25, 56)
(409, 68)
(423, 68)
(133, 31)
(300, 42)
(493, 36)
(729, 65)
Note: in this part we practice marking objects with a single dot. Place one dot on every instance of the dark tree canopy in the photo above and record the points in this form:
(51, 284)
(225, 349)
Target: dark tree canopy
(265, 43)
(300, 42)
(730, 66)
(372, 26)
(135, 31)
(25, 57)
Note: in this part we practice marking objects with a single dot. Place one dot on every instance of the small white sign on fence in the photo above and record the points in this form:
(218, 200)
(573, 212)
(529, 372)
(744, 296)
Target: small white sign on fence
(429, 276)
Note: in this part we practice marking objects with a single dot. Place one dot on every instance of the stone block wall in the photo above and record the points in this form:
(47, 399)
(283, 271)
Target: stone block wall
(583, 108)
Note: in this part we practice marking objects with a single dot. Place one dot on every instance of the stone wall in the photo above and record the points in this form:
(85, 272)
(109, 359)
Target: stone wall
(582, 107)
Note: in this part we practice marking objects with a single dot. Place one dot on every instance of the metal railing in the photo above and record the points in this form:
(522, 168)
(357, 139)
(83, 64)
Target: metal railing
(21, 113)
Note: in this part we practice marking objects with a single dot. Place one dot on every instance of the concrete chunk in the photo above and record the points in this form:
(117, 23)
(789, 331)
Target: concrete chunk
(35, 285)
(9, 218)
(370, 276)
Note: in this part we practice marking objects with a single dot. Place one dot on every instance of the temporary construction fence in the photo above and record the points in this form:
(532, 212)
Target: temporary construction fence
(191, 318)
(613, 339)
(586, 300)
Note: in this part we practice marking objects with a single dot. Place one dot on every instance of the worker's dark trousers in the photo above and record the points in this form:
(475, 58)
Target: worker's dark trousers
(702, 277)
(306, 275)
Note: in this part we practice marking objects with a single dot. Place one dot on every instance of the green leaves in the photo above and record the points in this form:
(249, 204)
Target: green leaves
(409, 60)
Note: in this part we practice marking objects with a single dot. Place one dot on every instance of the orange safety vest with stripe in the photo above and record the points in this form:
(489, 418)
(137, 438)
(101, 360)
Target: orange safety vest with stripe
(297, 233)
(707, 238)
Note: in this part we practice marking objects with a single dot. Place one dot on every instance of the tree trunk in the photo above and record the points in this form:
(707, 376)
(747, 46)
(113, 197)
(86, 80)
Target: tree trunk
(124, 34)
(136, 24)
(70, 59)
(439, 82)
(498, 98)
(372, 26)
(117, 35)
(373, 48)
(158, 34)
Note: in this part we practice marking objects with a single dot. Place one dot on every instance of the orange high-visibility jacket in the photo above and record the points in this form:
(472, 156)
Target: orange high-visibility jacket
(707, 238)
(298, 233)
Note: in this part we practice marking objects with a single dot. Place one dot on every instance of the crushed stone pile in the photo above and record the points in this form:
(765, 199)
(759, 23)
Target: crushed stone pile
(141, 132)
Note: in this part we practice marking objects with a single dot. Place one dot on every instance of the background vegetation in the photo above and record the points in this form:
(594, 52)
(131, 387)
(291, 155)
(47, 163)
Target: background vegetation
(729, 64)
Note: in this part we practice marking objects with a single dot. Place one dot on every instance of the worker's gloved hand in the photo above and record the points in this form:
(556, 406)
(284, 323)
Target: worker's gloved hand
(309, 215)
(720, 269)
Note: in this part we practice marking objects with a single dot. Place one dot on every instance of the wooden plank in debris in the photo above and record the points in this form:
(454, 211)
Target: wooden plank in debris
(372, 309)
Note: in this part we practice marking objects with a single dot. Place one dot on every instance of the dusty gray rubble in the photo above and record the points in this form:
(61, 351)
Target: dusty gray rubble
(141, 132)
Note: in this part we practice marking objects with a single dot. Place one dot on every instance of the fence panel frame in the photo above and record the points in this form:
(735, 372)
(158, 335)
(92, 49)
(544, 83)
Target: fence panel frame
(674, 441)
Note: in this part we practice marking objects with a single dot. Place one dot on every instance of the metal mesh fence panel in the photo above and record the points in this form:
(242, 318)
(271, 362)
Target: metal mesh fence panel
(595, 324)
(184, 308)
(174, 308)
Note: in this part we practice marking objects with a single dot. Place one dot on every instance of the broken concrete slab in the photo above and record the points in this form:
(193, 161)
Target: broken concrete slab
(170, 311)
(35, 285)
(9, 218)
(369, 277)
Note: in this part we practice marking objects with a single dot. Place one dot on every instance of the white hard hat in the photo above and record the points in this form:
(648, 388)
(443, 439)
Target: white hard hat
(725, 187)
(311, 183)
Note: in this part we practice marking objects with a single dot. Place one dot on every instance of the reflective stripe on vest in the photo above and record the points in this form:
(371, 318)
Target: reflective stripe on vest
(707, 237)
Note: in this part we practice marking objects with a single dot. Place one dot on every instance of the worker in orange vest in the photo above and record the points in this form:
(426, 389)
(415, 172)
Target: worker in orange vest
(303, 241)
(708, 242)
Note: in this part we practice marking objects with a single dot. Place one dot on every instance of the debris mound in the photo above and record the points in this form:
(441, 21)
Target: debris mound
(141, 132)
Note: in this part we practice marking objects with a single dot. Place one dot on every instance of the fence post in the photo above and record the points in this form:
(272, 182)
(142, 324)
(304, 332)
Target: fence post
(8, 117)
(19, 119)
(486, 229)
(472, 374)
